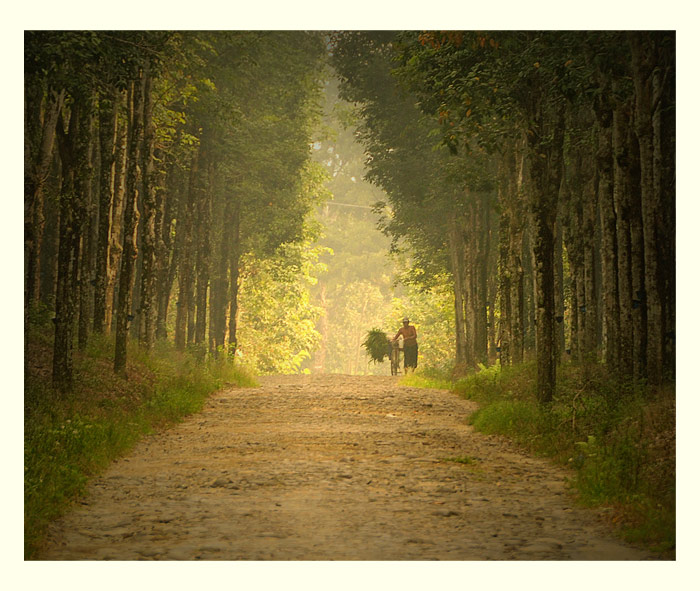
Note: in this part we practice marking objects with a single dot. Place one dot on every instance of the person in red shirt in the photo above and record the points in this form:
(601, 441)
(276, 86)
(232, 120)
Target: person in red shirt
(410, 345)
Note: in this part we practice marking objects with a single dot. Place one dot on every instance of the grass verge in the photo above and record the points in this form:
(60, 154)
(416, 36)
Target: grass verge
(427, 378)
(617, 437)
(71, 438)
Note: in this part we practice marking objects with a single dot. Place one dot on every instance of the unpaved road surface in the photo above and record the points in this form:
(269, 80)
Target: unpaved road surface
(331, 468)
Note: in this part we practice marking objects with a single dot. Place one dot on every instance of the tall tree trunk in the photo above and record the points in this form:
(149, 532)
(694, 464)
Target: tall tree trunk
(456, 248)
(108, 110)
(529, 294)
(469, 286)
(517, 271)
(86, 174)
(183, 328)
(622, 189)
(149, 237)
(505, 329)
(545, 178)
(505, 195)
(588, 305)
(220, 285)
(643, 53)
(203, 252)
(559, 290)
(481, 257)
(608, 228)
(117, 221)
(572, 195)
(665, 149)
(517, 295)
(68, 252)
(49, 252)
(234, 273)
(74, 149)
(168, 264)
(39, 132)
(639, 311)
(131, 219)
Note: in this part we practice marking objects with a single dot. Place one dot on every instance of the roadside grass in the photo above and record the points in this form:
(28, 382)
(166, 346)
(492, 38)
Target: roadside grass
(427, 378)
(70, 439)
(617, 437)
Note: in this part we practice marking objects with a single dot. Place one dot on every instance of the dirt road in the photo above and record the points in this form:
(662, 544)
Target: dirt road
(331, 468)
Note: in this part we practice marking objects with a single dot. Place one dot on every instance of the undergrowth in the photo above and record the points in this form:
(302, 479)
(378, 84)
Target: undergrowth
(427, 378)
(617, 437)
(71, 438)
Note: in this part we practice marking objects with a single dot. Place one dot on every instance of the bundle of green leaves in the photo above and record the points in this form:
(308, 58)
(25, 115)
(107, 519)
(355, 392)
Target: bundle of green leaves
(377, 345)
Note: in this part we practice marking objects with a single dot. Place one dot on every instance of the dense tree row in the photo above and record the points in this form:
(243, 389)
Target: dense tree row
(538, 169)
(162, 165)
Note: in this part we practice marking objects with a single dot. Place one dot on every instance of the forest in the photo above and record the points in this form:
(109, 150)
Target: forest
(265, 198)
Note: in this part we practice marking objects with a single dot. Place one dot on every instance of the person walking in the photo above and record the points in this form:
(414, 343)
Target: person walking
(410, 345)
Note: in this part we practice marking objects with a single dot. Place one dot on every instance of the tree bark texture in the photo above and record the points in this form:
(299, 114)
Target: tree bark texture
(622, 188)
(203, 250)
(186, 263)
(456, 247)
(219, 298)
(40, 120)
(643, 50)
(559, 290)
(608, 228)
(108, 110)
(116, 235)
(149, 238)
(588, 305)
(68, 253)
(168, 265)
(234, 274)
(131, 219)
(545, 179)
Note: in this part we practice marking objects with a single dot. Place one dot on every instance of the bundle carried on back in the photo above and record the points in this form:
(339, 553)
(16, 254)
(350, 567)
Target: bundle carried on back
(377, 344)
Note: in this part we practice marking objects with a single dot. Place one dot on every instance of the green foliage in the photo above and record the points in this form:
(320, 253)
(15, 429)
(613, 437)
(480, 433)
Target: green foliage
(377, 345)
(427, 378)
(277, 318)
(619, 438)
(68, 440)
(519, 420)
